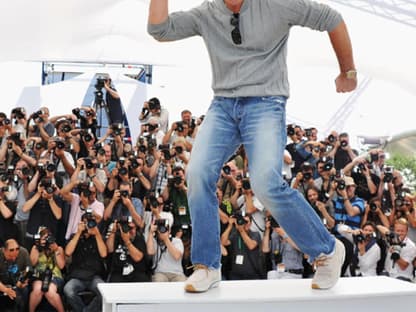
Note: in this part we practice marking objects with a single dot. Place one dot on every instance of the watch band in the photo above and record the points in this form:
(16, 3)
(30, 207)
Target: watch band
(351, 74)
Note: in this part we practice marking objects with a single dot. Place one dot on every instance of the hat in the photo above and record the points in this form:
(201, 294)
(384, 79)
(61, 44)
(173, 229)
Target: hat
(349, 181)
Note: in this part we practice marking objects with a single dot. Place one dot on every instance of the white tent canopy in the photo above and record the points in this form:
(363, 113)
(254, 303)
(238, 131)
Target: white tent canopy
(115, 31)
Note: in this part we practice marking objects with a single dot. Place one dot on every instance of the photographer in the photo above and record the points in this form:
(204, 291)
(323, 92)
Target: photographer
(45, 210)
(42, 126)
(178, 130)
(286, 258)
(88, 252)
(244, 248)
(89, 170)
(127, 248)
(112, 99)
(14, 149)
(348, 210)
(154, 211)
(374, 213)
(326, 173)
(80, 203)
(123, 205)
(152, 108)
(87, 118)
(23, 172)
(245, 200)
(15, 272)
(166, 251)
(152, 128)
(342, 152)
(304, 178)
(64, 131)
(62, 159)
(367, 182)
(323, 209)
(18, 114)
(8, 205)
(401, 251)
(115, 133)
(48, 260)
(367, 252)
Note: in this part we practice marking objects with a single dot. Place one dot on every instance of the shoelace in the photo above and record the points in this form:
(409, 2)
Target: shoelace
(321, 261)
(197, 267)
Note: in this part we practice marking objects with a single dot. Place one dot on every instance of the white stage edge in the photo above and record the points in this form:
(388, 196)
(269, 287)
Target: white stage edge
(349, 295)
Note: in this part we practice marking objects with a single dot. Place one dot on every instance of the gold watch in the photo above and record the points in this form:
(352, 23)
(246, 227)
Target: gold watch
(351, 74)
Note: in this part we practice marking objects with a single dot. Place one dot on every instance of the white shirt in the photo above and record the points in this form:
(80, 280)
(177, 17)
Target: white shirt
(368, 261)
(408, 253)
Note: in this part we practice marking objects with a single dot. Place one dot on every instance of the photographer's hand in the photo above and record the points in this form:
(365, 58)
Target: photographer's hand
(10, 293)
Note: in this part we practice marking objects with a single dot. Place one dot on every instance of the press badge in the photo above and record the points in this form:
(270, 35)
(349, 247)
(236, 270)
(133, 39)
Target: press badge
(239, 259)
(182, 211)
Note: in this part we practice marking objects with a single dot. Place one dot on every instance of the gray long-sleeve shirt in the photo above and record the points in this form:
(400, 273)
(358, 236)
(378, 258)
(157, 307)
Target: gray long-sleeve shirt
(258, 66)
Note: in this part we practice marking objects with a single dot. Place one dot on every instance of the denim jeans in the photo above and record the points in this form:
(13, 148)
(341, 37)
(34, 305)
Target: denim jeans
(259, 123)
(74, 286)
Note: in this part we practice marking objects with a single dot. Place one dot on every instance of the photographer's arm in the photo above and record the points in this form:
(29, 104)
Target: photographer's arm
(135, 253)
(250, 243)
(111, 238)
(174, 252)
(225, 237)
(33, 184)
(330, 222)
(56, 210)
(265, 242)
(72, 244)
(34, 255)
(4, 210)
(150, 242)
(28, 205)
(59, 255)
(69, 168)
(108, 211)
(8, 291)
(102, 248)
(113, 93)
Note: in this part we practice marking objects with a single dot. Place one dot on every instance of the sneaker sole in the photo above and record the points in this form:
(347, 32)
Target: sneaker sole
(191, 289)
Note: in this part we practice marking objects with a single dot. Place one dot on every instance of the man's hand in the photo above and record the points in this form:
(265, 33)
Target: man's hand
(344, 84)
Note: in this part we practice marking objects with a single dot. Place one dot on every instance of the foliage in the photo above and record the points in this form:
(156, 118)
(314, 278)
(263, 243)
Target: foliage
(407, 166)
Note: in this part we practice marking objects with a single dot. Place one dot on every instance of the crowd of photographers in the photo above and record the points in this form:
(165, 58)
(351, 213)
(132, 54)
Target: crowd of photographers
(77, 209)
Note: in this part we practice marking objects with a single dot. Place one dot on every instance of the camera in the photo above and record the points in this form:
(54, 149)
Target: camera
(394, 241)
(60, 144)
(178, 149)
(25, 275)
(88, 163)
(152, 127)
(124, 193)
(174, 180)
(226, 169)
(7, 188)
(123, 171)
(373, 207)
(246, 184)
(166, 154)
(117, 127)
(239, 218)
(388, 174)
(16, 138)
(151, 142)
(331, 138)
(124, 223)
(19, 112)
(162, 225)
(290, 130)
(36, 116)
(179, 126)
(273, 222)
(99, 84)
(344, 143)
(89, 218)
(341, 184)
(46, 280)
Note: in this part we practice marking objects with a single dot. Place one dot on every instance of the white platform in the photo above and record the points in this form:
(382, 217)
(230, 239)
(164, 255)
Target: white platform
(349, 295)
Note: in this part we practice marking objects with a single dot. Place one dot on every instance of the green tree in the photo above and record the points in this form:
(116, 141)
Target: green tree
(407, 166)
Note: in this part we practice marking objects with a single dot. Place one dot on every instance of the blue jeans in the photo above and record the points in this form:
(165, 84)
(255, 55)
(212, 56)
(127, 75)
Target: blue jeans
(260, 124)
(74, 286)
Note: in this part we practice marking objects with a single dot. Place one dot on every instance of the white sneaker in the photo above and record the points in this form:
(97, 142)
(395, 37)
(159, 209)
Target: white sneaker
(328, 268)
(202, 279)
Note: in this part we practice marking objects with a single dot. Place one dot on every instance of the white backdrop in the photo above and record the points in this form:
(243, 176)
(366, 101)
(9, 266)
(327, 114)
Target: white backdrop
(115, 31)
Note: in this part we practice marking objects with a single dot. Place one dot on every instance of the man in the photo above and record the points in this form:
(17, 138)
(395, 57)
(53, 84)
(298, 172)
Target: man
(401, 251)
(244, 248)
(88, 251)
(14, 274)
(152, 108)
(247, 44)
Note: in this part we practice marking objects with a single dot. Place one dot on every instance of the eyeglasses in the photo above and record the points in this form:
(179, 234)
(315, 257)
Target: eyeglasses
(235, 33)
(14, 249)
